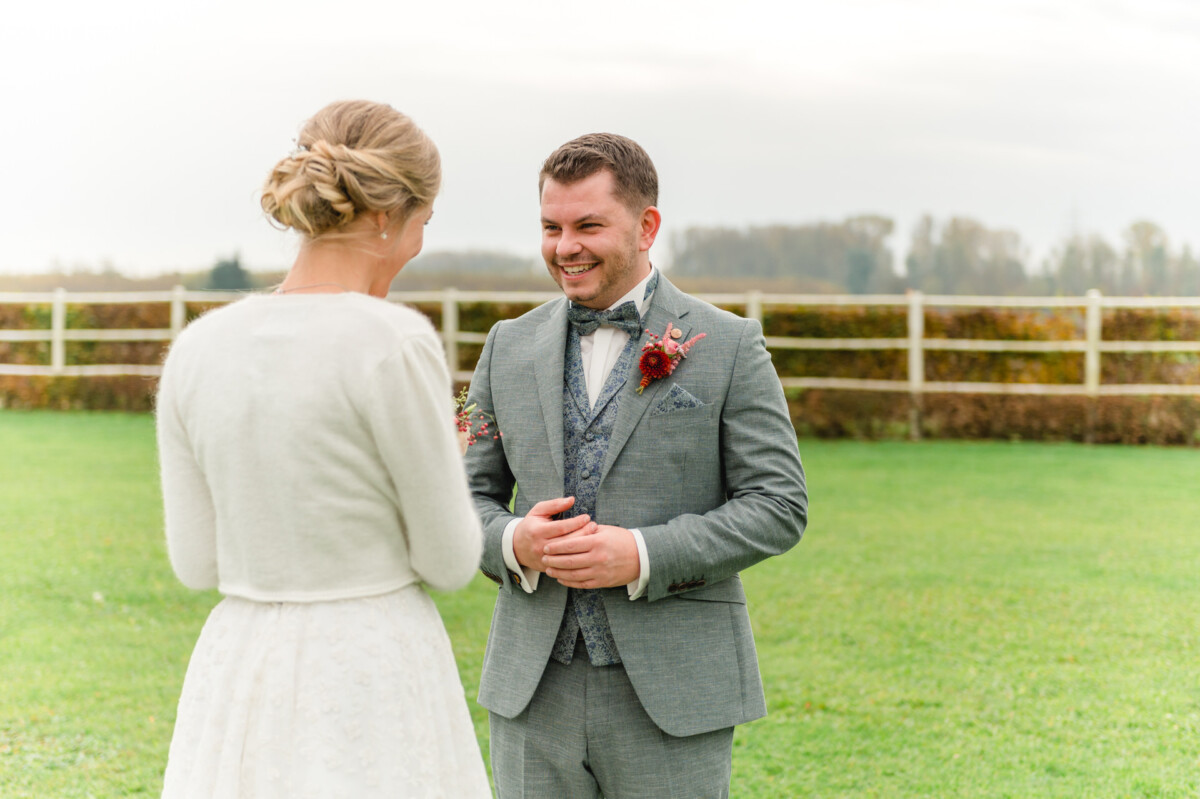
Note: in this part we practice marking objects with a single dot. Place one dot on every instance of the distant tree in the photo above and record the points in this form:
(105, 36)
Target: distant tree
(1187, 274)
(840, 256)
(709, 252)
(1082, 263)
(962, 256)
(860, 268)
(1068, 268)
(868, 258)
(228, 275)
(1103, 263)
(918, 265)
(1145, 267)
(473, 262)
(1002, 269)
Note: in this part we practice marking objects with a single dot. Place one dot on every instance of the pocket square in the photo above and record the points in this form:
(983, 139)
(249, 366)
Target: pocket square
(677, 399)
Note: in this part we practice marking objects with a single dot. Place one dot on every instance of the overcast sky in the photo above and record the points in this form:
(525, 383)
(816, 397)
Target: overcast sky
(138, 133)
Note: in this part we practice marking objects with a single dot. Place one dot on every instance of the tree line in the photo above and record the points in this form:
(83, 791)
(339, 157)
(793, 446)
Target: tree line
(958, 255)
(955, 256)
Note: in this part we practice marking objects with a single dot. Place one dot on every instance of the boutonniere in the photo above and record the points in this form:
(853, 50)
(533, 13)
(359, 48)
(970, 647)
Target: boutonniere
(472, 423)
(660, 356)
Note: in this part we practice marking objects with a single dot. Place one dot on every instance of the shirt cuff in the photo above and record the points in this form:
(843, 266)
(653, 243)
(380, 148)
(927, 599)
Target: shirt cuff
(530, 583)
(637, 589)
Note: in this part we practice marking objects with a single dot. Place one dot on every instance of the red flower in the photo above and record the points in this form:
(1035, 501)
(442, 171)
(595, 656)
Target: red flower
(655, 364)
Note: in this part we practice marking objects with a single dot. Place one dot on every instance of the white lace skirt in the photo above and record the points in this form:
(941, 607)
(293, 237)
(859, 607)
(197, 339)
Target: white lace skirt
(355, 698)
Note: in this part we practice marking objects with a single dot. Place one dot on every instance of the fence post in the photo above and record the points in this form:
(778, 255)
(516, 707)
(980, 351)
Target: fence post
(178, 311)
(916, 361)
(58, 325)
(1091, 361)
(754, 308)
(450, 327)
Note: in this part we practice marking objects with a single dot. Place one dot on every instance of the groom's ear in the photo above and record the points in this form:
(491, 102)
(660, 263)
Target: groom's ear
(648, 227)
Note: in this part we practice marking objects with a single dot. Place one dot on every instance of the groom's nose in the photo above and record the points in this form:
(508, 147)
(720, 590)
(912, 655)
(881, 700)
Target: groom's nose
(568, 244)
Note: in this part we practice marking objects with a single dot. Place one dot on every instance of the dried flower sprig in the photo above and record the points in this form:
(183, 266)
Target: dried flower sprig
(473, 423)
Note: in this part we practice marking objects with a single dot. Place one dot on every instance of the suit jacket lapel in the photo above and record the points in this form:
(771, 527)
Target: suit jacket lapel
(664, 307)
(549, 355)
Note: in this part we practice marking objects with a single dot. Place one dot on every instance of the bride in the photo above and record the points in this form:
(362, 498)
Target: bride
(311, 473)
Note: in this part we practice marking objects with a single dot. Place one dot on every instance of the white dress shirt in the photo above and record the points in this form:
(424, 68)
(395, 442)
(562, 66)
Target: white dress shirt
(600, 351)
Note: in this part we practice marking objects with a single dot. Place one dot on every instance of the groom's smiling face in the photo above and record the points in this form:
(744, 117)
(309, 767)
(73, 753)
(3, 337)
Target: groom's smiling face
(595, 246)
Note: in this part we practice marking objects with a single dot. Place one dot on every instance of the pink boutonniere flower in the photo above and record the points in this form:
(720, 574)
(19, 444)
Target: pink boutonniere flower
(660, 356)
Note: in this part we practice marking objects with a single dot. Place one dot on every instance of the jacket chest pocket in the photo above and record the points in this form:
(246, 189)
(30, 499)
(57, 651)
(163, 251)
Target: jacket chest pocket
(698, 416)
(680, 436)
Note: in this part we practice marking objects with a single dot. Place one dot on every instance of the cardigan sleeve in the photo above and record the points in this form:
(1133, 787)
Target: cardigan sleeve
(411, 418)
(490, 477)
(188, 510)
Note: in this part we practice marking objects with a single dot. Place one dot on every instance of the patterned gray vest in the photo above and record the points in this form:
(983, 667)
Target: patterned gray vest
(586, 433)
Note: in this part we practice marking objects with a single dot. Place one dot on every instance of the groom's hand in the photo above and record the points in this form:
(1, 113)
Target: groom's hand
(605, 558)
(539, 527)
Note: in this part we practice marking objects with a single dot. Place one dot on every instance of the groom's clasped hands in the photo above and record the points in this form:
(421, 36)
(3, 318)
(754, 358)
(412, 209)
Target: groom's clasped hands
(576, 551)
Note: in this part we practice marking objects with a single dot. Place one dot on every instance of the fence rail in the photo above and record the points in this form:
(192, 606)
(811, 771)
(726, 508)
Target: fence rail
(916, 343)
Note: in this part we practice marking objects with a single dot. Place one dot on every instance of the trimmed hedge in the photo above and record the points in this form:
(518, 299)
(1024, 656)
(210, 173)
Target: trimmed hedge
(1106, 420)
(126, 393)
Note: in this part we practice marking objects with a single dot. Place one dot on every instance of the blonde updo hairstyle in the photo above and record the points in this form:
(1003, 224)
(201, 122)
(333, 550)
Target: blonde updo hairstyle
(354, 157)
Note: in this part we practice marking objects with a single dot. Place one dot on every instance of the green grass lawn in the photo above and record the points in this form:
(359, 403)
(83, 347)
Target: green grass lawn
(961, 619)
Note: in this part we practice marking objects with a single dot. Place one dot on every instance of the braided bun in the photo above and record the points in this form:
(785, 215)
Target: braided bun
(353, 157)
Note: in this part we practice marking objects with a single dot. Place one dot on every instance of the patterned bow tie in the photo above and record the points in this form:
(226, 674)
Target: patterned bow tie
(623, 317)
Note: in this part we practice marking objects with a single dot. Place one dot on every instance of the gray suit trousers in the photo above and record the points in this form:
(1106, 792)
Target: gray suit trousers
(585, 735)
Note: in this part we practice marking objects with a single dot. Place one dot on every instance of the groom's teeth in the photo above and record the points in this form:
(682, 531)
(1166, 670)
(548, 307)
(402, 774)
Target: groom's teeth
(577, 270)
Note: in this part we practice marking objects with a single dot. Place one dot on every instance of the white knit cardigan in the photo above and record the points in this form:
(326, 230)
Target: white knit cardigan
(308, 452)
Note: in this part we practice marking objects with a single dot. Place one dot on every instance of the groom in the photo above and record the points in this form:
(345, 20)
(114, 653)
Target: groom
(620, 655)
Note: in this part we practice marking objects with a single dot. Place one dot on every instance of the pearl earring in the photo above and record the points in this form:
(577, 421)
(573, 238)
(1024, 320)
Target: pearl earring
(383, 235)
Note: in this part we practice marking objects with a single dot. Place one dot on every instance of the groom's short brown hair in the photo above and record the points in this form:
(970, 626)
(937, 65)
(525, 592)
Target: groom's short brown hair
(635, 181)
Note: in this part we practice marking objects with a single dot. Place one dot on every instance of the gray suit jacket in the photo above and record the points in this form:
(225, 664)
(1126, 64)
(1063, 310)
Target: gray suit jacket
(704, 462)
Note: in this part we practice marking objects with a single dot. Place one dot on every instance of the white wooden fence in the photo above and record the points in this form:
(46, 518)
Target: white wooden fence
(915, 343)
